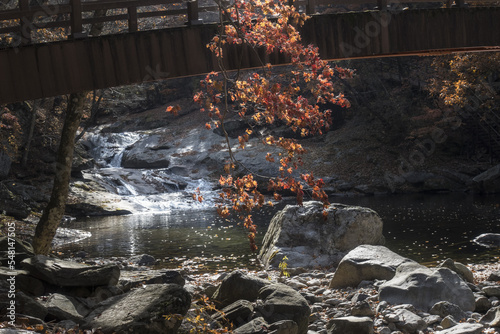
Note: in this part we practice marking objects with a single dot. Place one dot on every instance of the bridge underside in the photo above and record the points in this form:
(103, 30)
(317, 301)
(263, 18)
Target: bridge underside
(44, 70)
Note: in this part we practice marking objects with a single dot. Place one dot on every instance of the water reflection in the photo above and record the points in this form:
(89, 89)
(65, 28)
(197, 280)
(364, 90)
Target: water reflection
(424, 227)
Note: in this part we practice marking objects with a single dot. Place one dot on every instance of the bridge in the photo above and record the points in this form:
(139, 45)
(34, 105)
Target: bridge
(81, 63)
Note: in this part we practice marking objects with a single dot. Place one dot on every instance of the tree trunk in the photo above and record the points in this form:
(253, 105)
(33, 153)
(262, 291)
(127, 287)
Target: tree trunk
(53, 213)
(24, 161)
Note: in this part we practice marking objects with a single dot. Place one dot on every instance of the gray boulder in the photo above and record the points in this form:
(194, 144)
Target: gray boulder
(459, 268)
(132, 279)
(464, 328)
(70, 274)
(148, 152)
(489, 181)
(423, 287)
(488, 240)
(366, 262)
(23, 281)
(407, 321)
(142, 311)
(492, 317)
(238, 285)
(64, 307)
(351, 325)
(280, 302)
(444, 309)
(29, 306)
(238, 313)
(307, 239)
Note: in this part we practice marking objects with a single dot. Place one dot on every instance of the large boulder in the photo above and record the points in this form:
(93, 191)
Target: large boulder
(148, 152)
(281, 302)
(63, 307)
(154, 309)
(238, 285)
(366, 263)
(70, 274)
(423, 287)
(489, 181)
(308, 239)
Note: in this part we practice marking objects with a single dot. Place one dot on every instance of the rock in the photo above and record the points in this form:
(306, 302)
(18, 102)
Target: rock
(366, 262)
(102, 293)
(142, 260)
(148, 152)
(142, 311)
(15, 331)
(491, 290)
(70, 274)
(464, 328)
(5, 163)
(408, 322)
(236, 286)
(350, 325)
(494, 276)
(488, 240)
(23, 281)
(492, 317)
(280, 302)
(362, 309)
(63, 307)
(238, 313)
(302, 234)
(448, 322)
(423, 287)
(12, 204)
(22, 248)
(444, 309)
(256, 326)
(489, 181)
(459, 268)
(483, 304)
(284, 327)
(29, 306)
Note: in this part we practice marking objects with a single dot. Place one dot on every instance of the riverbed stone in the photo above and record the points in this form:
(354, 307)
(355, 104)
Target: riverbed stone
(23, 281)
(142, 311)
(492, 317)
(280, 302)
(489, 181)
(463, 328)
(366, 262)
(238, 285)
(30, 306)
(70, 274)
(408, 322)
(63, 307)
(444, 309)
(238, 313)
(350, 325)
(148, 152)
(256, 326)
(423, 287)
(307, 239)
(488, 239)
(459, 268)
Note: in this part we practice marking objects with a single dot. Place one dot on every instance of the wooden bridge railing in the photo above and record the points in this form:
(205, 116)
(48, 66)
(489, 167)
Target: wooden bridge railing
(25, 19)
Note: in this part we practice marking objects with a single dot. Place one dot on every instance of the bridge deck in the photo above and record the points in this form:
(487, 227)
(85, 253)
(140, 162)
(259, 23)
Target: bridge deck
(43, 70)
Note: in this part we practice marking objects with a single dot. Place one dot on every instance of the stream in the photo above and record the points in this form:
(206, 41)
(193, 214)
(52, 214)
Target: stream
(176, 230)
(427, 228)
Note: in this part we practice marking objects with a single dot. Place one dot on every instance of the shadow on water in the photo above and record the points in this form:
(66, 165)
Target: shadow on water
(425, 227)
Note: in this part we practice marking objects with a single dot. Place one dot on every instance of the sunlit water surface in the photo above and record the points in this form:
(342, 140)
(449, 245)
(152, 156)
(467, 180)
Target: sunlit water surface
(425, 227)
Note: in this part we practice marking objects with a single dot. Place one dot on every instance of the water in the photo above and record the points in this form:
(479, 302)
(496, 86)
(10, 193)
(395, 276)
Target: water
(425, 227)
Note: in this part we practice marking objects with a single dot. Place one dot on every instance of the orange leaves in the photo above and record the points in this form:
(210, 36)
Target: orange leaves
(173, 110)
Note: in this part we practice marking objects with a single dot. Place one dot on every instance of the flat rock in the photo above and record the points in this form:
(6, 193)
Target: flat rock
(464, 328)
(64, 307)
(142, 311)
(366, 262)
(423, 287)
(351, 325)
(70, 274)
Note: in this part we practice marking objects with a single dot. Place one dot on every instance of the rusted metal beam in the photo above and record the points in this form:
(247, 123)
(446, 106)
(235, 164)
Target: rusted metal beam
(43, 70)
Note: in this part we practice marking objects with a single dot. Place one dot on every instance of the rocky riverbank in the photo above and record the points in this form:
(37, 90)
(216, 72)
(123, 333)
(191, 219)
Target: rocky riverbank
(371, 291)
